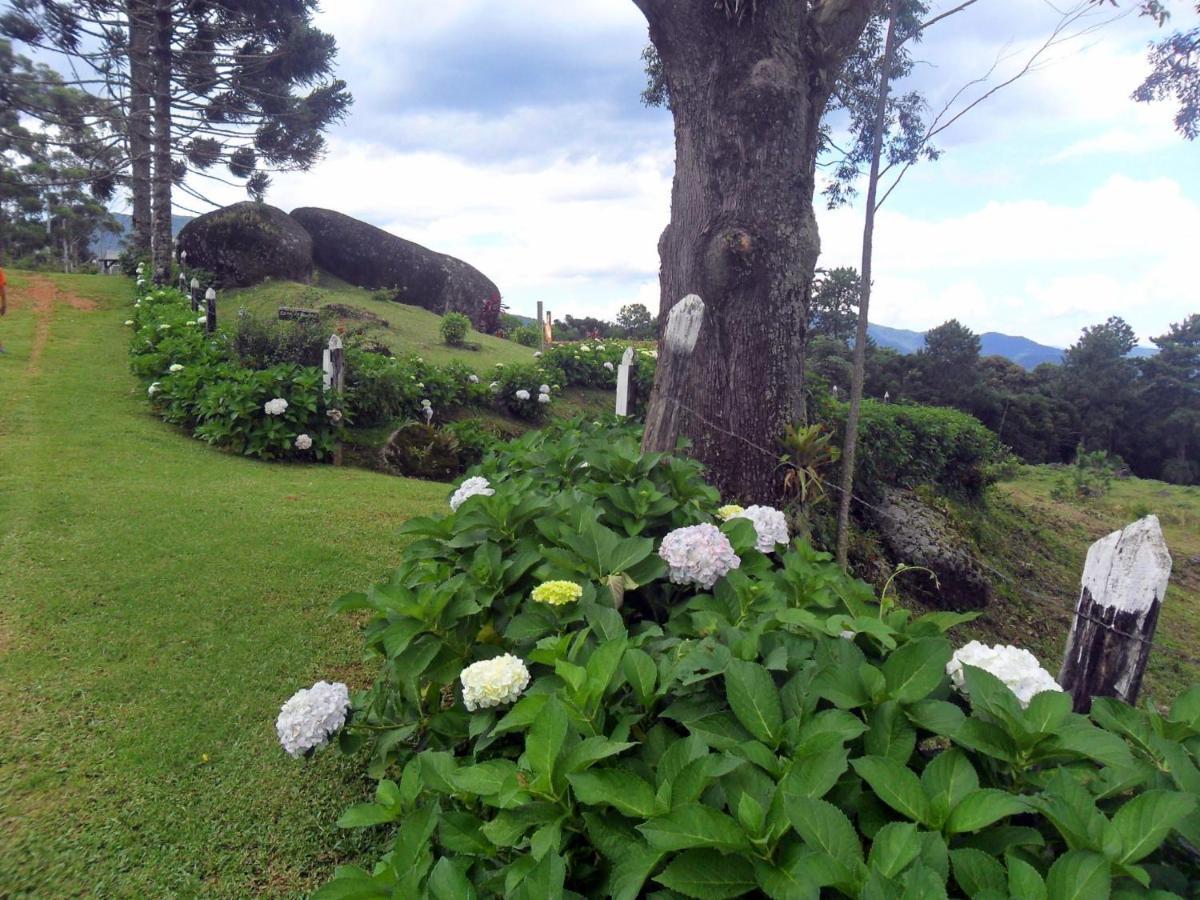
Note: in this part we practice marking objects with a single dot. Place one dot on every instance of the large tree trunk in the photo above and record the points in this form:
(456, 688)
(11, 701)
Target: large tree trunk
(162, 137)
(141, 79)
(747, 92)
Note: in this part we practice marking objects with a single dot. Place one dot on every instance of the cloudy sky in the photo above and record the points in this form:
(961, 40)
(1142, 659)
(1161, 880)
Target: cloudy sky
(511, 135)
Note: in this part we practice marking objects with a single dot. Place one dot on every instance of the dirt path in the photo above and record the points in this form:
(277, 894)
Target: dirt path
(43, 297)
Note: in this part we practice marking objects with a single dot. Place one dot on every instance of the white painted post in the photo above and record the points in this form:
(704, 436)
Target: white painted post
(195, 294)
(1123, 585)
(335, 378)
(623, 372)
(327, 365)
(210, 317)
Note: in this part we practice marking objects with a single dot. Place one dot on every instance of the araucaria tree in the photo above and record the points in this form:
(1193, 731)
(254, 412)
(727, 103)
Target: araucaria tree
(749, 81)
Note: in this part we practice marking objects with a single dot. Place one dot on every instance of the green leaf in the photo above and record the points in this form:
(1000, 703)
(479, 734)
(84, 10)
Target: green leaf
(978, 873)
(615, 787)
(1145, 821)
(592, 750)
(754, 699)
(916, 669)
(1024, 881)
(708, 875)
(641, 673)
(545, 881)
(786, 882)
(361, 815)
(485, 779)
(1079, 875)
(895, 846)
(816, 774)
(895, 785)
(447, 882)
(983, 807)
(824, 827)
(989, 694)
(890, 734)
(630, 872)
(1047, 711)
(936, 716)
(694, 825)
(544, 744)
(946, 780)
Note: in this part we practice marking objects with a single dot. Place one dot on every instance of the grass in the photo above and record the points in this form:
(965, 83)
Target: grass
(158, 601)
(1035, 546)
(412, 330)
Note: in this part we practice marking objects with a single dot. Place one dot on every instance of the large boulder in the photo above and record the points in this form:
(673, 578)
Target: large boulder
(916, 534)
(370, 257)
(246, 243)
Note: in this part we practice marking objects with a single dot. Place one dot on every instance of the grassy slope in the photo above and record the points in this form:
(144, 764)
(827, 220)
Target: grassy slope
(158, 601)
(412, 329)
(1037, 545)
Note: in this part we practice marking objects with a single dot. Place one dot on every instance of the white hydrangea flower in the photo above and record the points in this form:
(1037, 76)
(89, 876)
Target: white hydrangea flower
(495, 386)
(1015, 666)
(276, 407)
(522, 395)
(470, 488)
(421, 385)
(175, 367)
(537, 354)
(303, 442)
(141, 282)
(543, 398)
(153, 389)
(426, 404)
(599, 347)
(474, 379)
(202, 320)
(769, 523)
(585, 349)
(190, 323)
(420, 360)
(608, 366)
(698, 554)
(491, 682)
(544, 389)
(311, 717)
(164, 327)
(129, 321)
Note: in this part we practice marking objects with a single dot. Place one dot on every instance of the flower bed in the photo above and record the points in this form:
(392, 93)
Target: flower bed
(590, 685)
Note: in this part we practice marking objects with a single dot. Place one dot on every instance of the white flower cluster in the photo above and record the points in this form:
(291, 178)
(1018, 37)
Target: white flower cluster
(769, 523)
(698, 554)
(491, 682)
(164, 327)
(470, 488)
(1015, 666)
(522, 394)
(129, 321)
(608, 366)
(303, 442)
(153, 389)
(474, 379)
(175, 367)
(543, 398)
(202, 320)
(311, 717)
(276, 407)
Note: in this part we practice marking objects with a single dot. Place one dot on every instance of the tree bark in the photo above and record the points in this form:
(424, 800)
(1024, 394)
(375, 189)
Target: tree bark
(141, 78)
(162, 137)
(850, 445)
(747, 96)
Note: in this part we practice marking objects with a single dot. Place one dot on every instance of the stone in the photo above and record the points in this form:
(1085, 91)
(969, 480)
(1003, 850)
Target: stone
(370, 257)
(918, 535)
(248, 242)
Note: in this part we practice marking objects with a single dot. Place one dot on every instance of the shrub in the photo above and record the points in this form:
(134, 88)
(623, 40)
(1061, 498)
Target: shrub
(1090, 476)
(525, 335)
(1180, 471)
(454, 328)
(260, 343)
(421, 451)
(781, 734)
(908, 445)
(517, 391)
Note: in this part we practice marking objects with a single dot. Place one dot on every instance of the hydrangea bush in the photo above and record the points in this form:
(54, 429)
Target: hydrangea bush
(773, 732)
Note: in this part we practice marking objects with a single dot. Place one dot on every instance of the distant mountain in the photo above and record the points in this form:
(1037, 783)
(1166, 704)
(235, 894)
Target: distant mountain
(1021, 350)
(103, 241)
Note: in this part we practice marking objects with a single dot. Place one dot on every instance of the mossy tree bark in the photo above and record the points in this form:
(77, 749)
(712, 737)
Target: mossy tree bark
(748, 82)
(163, 171)
(141, 79)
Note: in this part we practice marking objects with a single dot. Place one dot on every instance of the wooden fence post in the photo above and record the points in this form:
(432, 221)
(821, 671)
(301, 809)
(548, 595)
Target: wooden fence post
(334, 363)
(541, 327)
(210, 301)
(1124, 581)
(195, 294)
(624, 404)
(682, 330)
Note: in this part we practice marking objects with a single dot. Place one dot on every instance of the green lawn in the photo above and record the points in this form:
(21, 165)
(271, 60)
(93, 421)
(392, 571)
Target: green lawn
(158, 601)
(411, 329)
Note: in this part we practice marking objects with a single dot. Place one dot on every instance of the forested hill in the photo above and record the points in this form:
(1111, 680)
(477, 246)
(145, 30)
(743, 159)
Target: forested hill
(1021, 350)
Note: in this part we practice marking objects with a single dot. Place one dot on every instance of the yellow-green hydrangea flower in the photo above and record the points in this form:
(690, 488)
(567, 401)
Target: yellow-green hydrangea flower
(725, 513)
(557, 593)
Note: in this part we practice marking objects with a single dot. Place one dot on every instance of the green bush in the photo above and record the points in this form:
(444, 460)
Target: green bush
(525, 335)
(517, 389)
(260, 343)
(454, 328)
(1088, 477)
(906, 445)
(1180, 471)
(780, 734)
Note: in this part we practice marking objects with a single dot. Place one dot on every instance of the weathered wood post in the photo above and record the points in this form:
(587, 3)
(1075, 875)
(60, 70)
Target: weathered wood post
(624, 400)
(679, 340)
(541, 327)
(549, 329)
(1124, 581)
(210, 309)
(183, 286)
(195, 294)
(334, 363)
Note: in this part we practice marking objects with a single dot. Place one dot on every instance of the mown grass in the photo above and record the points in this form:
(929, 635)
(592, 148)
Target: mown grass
(1036, 544)
(411, 329)
(158, 600)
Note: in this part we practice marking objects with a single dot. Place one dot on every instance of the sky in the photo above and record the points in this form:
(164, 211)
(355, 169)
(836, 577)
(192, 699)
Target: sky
(512, 135)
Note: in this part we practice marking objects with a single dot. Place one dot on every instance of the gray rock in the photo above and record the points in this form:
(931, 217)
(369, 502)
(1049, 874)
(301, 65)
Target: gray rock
(370, 257)
(915, 534)
(248, 242)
